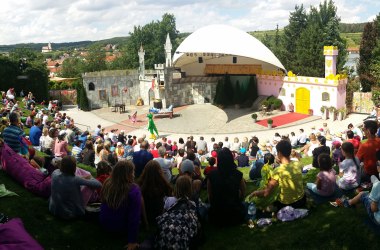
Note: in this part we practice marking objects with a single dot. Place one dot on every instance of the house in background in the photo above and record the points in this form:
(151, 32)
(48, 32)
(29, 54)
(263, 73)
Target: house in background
(46, 49)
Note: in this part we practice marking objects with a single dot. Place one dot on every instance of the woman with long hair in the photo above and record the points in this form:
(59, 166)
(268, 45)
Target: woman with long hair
(154, 188)
(120, 210)
(226, 190)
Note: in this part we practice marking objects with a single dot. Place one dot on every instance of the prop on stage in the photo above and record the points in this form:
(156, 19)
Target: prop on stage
(152, 127)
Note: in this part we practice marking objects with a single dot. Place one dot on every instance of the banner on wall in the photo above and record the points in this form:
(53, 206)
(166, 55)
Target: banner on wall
(362, 102)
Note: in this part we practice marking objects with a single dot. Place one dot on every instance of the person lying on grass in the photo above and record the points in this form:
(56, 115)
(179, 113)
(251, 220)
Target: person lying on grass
(370, 200)
(288, 178)
(66, 198)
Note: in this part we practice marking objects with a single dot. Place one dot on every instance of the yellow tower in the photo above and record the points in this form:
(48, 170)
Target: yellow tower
(331, 55)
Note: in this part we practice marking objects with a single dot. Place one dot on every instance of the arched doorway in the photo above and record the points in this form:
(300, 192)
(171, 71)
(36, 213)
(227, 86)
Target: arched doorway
(302, 100)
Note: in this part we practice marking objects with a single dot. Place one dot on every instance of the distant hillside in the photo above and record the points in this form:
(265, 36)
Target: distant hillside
(65, 46)
(352, 32)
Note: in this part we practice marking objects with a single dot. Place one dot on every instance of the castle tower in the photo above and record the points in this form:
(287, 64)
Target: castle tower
(168, 51)
(331, 58)
(141, 54)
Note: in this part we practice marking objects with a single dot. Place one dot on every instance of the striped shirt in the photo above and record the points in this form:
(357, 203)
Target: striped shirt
(12, 135)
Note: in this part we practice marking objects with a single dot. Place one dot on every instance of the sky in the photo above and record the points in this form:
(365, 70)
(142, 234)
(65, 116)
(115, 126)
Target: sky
(25, 21)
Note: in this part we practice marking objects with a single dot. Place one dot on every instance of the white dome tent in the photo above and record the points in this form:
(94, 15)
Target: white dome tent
(222, 44)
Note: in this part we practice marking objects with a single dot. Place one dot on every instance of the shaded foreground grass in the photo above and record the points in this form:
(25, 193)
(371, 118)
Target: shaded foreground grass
(326, 227)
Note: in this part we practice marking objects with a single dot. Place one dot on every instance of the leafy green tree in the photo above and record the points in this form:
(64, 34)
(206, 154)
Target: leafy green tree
(9, 70)
(72, 67)
(152, 37)
(368, 44)
(95, 59)
(297, 24)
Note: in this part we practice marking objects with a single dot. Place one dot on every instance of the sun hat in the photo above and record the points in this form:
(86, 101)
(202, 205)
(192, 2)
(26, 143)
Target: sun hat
(119, 143)
(187, 166)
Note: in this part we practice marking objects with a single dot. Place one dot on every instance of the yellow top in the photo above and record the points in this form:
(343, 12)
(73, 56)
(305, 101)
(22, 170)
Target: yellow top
(289, 178)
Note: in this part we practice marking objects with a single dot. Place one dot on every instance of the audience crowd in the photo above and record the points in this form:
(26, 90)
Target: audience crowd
(135, 183)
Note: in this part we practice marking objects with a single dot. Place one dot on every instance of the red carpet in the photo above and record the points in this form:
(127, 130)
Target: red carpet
(283, 119)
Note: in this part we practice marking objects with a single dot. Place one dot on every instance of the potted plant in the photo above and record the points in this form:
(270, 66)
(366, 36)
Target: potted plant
(332, 112)
(341, 114)
(311, 112)
(324, 110)
(254, 117)
(270, 123)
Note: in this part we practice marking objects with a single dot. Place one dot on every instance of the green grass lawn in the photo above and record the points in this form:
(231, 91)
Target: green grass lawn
(326, 227)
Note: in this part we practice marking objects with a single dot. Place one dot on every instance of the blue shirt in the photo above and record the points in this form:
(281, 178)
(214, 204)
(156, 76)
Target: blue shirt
(34, 135)
(140, 159)
(12, 135)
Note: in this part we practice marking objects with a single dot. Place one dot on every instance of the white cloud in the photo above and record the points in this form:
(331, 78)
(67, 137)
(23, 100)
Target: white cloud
(75, 20)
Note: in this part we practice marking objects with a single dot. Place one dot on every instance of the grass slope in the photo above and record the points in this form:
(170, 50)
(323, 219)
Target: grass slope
(326, 227)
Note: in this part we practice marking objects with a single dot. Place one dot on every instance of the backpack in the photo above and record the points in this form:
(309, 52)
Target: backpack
(178, 226)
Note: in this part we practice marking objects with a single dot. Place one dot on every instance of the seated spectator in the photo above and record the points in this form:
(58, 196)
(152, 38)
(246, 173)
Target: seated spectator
(77, 151)
(121, 198)
(128, 150)
(226, 190)
(88, 154)
(325, 183)
(141, 158)
(266, 174)
(242, 159)
(179, 225)
(337, 155)
(321, 149)
(66, 198)
(35, 133)
(165, 164)
(29, 121)
(370, 200)
(288, 178)
(350, 138)
(211, 166)
(13, 133)
(154, 188)
(178, 159)
(368, 149)
(119, 149)
(349, 168)
(310, 145)
(61, 148)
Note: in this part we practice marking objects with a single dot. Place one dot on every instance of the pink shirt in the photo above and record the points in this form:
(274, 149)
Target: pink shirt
(327, 182)
(60, 148)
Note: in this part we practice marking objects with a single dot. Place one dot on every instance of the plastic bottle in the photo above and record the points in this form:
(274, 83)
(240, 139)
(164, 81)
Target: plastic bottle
(252, 211)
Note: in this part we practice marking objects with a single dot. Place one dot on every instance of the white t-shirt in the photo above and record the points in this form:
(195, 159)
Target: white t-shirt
(351, 175)
(302, 138)
(226, 144)
(44, 119)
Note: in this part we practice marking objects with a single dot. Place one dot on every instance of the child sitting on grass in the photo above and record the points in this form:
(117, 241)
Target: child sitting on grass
(266, 174)
(370, 200)
(242, 159)
(210, 167)
(349, 169)
(325, 183)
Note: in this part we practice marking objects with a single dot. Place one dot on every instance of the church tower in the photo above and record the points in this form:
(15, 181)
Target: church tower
(142, 62)
(168, 52)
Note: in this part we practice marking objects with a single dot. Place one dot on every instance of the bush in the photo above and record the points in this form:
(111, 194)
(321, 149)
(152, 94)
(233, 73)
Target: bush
(270, 121)
(254, 116)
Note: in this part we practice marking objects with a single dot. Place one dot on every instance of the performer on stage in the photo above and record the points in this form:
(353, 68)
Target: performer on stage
(152, 127)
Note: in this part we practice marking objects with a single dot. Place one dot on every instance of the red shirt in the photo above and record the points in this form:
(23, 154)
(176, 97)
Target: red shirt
(208, 169)
(154, 152)
(356, 144)
(367, 154)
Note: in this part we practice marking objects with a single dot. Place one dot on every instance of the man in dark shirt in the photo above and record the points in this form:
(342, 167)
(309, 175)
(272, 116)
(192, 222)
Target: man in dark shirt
(141, 158)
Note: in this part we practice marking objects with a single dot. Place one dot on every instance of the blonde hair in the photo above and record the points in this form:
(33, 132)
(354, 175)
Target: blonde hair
(236, 140)
(45, 131)
(312, 137)
(116, 188)
(183, 187)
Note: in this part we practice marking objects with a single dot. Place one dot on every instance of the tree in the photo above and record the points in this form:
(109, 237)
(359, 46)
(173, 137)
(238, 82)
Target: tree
(95, 59)
(152, 37)
(72, 67)
(297, 23)
(367, 45)
(305, 37)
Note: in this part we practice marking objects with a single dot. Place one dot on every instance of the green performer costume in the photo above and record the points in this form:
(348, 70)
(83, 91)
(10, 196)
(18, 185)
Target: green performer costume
(152, 127)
